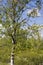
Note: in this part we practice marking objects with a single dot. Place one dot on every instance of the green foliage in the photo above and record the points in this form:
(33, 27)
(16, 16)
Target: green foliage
(27, 52)
(28, 49)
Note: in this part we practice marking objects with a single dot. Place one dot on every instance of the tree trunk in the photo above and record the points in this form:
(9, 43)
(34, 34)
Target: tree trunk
(12, 56)
(13, 36)
(12, 59)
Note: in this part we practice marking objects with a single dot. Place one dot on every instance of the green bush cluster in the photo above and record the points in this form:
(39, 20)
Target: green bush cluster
(26, 53)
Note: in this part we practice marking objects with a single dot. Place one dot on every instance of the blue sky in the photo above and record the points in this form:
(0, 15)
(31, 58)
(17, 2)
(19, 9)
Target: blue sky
(37, 20)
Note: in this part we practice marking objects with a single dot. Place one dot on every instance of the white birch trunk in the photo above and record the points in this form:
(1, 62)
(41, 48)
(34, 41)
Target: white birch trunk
(12, 57)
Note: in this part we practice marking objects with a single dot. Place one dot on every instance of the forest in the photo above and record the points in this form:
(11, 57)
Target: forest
(21, 38)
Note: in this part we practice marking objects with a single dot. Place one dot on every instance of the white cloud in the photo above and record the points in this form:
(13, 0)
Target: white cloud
(33, 12)
(0, 25)
(41, 32)
(3, 36)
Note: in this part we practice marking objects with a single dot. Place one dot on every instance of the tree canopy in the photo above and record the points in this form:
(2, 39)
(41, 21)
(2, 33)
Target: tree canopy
(15, 28)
